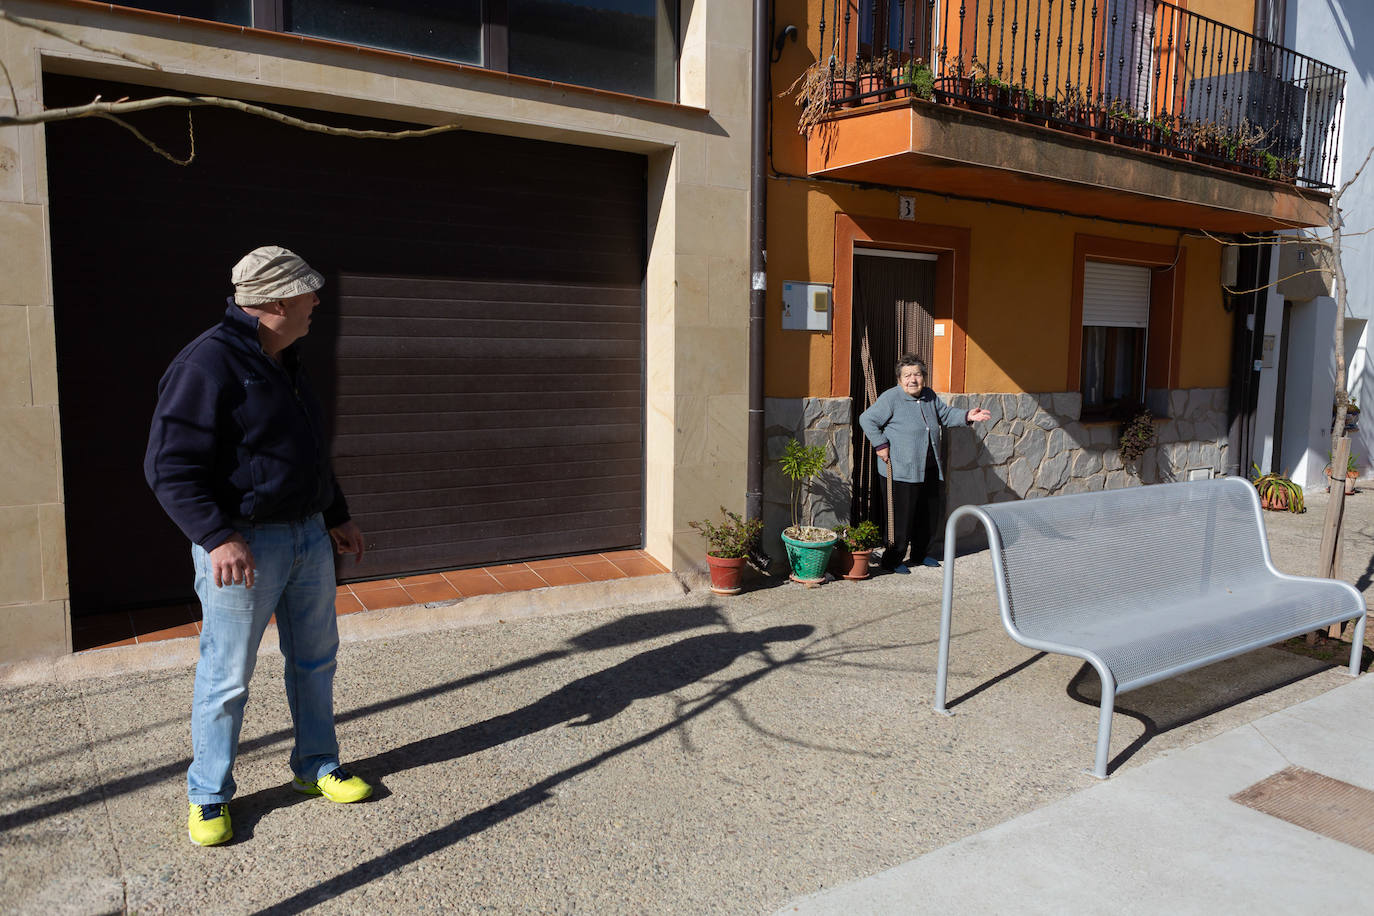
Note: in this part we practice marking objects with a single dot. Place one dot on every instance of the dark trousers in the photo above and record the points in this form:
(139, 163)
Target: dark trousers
(916, 517)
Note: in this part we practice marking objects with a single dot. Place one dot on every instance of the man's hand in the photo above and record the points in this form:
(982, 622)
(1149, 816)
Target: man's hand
(348, 538)
(233, 563)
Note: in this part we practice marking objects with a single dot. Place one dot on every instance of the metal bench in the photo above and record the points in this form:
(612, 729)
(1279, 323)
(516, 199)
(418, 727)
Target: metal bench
(1144, 583)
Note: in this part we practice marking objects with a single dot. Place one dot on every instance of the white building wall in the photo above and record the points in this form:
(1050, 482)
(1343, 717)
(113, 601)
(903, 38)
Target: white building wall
(1338, 32)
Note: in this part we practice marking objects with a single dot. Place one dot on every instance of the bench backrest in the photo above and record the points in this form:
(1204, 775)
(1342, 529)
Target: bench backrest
(1078, 559)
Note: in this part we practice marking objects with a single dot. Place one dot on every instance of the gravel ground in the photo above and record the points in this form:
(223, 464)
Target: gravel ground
(696, 755)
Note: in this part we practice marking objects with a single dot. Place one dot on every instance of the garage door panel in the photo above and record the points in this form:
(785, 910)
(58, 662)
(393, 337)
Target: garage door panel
(421, 401)
(458, 421)
(484, 492)
(616, 458)
(439, 374)
(400, 446)
(533, 511)
(543, 348)
(505, 549)
(465, 275)
(446, 290)
(512, 328)
(473, 531)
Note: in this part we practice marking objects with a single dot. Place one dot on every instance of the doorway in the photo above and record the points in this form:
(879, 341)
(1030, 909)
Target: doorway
(893, 306)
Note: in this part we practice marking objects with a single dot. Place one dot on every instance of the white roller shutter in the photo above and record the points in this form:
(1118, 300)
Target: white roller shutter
(1116, 295)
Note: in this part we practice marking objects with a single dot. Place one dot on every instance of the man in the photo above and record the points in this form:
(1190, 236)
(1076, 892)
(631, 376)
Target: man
(237, 458)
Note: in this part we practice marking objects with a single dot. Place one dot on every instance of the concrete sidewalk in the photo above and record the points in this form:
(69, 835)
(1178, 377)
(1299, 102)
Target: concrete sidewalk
(666, 753)
(1165, 837)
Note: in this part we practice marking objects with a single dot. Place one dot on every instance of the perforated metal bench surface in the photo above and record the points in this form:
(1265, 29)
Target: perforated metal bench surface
(1144, 583)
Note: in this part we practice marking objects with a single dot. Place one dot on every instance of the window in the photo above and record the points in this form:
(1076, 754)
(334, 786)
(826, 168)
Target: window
(1116, 319)
(628, 46)
(443, 29)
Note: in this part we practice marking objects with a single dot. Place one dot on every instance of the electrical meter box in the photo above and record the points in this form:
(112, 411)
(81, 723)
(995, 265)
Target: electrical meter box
(805, 306)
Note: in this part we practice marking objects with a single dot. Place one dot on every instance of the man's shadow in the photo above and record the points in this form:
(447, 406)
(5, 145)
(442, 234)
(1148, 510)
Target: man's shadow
(588, 700)
(585, 701)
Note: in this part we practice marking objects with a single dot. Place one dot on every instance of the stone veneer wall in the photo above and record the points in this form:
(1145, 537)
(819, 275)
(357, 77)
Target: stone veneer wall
(812, 421)
(1034, 445)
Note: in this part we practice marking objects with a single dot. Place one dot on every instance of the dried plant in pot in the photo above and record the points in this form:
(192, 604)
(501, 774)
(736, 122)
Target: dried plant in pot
(808, 547)
(1277, 492)
(820, 90)
(854, 549)
(728, 545)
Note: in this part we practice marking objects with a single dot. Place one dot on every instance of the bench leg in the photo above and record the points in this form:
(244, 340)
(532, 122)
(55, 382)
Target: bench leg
(946, 613)
(1104, 720)
(1357, 646)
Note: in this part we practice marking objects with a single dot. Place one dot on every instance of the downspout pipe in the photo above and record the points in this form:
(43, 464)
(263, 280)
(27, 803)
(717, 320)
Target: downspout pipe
(758, 259)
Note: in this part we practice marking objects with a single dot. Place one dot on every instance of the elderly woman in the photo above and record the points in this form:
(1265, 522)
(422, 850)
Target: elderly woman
(905, 426)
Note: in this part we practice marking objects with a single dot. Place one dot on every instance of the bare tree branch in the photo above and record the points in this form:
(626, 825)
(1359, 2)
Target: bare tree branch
(103, 109)
(190, 130)
(1246, 292)
(49, 30)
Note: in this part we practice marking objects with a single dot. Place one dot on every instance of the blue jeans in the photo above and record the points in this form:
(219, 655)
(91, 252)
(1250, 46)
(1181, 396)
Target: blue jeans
(295, 581)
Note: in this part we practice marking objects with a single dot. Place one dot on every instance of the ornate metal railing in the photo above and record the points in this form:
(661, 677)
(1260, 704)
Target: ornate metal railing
(1141, 73)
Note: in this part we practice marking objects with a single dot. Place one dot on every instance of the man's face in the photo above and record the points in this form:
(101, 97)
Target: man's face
(295, 318)
(912, 380)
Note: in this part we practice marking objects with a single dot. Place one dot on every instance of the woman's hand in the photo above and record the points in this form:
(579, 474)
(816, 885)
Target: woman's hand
(978, 415)
(882, 454)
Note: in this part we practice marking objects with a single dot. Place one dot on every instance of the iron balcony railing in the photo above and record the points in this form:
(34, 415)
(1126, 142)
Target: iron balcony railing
(1141, 73)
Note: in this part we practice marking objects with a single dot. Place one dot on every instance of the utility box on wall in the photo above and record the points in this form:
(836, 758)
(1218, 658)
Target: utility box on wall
(805, 306)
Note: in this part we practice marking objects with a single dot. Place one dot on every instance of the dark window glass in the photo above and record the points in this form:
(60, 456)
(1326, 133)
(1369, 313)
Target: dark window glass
(238, 12)
(443, 29)
(623, 45)
(1113, 369)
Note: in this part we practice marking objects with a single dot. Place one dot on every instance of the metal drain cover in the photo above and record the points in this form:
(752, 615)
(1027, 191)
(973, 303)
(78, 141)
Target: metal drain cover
(1315, 802)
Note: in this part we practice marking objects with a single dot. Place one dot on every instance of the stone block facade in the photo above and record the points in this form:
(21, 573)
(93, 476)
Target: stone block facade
(811, 421)
(1034, 445)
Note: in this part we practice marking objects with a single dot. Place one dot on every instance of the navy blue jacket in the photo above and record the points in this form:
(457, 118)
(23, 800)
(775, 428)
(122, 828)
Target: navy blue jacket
(238, 436)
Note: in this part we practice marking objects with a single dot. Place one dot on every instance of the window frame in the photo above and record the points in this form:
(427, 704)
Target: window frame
(270, 15)
(1163, 335)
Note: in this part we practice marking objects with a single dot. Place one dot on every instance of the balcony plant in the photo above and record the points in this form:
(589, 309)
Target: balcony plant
(808, 547)
(918, 78)
(819, 90)
(728, 546)
(1277, 492)
(875, 76)
(854, 549)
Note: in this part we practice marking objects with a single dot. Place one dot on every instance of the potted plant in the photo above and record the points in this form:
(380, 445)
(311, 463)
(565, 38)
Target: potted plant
(1277, 492)
(819, 90)
(1137, 435)
(728, 545)
(1352, 471)
(808, 547)
(875, 75)
(917, 78)
(854, 548)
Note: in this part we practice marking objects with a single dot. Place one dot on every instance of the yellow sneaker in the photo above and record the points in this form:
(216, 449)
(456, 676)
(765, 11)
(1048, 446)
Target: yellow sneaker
(208, 825)
(337, 786)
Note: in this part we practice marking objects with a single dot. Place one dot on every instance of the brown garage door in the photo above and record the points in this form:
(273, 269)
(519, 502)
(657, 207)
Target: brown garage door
(479, 348)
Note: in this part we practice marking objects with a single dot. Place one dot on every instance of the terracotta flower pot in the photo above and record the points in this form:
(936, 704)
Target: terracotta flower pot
(852, 565)
(726, 573)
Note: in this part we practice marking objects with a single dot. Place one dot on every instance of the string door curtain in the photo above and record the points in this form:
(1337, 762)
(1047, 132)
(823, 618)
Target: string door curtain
(891, 317)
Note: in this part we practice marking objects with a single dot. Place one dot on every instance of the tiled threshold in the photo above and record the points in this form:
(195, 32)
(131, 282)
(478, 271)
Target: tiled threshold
(127, 628)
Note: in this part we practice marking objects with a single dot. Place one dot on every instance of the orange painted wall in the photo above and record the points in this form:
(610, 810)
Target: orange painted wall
(1020, 278)
(1020, 285)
